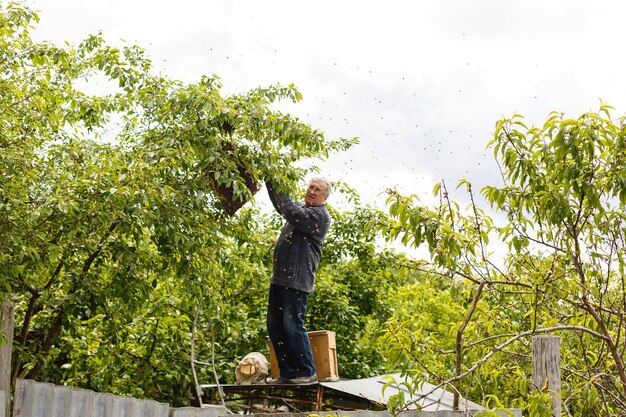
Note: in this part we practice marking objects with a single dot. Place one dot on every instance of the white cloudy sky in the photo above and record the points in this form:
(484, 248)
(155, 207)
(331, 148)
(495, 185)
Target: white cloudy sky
(422, 83)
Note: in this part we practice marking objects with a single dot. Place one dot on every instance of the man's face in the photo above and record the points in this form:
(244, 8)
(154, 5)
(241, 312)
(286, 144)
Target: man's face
(315, 194)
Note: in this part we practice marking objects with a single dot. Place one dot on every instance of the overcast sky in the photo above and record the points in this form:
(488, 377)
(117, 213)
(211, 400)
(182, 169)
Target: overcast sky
(422, 83)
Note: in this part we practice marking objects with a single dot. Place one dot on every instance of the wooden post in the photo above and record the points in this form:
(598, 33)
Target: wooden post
(6, 330)
(547, 369)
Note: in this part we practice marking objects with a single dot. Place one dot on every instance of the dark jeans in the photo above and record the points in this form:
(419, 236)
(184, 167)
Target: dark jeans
(286, 310)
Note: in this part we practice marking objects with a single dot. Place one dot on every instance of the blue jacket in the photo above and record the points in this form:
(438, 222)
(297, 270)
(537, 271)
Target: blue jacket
(298, 250)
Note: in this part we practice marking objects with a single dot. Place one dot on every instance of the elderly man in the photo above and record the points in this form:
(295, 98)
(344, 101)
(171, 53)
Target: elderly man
(296, 256)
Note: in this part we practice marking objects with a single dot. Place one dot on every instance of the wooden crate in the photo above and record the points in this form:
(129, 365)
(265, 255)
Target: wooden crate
(324, 349)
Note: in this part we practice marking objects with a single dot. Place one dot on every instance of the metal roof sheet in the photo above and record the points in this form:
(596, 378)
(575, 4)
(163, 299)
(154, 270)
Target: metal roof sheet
(429, 397)
(41, 399)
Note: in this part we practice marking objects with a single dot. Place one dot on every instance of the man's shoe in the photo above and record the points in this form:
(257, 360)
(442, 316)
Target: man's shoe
(304, 379)
(278, 381)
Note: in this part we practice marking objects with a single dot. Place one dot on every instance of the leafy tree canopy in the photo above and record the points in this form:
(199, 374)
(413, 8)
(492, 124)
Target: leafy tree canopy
(118, 242)
(563, 201)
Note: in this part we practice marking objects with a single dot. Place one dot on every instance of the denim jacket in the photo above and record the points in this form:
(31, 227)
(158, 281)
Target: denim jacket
(298, 250)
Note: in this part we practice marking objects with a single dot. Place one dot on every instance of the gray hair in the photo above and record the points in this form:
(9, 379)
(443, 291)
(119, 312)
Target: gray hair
(329, 187)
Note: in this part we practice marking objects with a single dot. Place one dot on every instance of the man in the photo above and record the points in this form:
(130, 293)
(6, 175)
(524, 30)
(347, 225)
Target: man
(296, 256)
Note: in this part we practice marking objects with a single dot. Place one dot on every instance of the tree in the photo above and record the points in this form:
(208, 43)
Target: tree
(563, 199)
(117, 211)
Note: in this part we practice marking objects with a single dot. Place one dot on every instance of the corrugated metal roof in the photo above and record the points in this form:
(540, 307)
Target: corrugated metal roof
(205, 411)
(429, 397)
(38, 399)
(3, 400)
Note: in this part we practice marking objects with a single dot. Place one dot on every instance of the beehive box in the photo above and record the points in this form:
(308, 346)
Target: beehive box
(324, 349)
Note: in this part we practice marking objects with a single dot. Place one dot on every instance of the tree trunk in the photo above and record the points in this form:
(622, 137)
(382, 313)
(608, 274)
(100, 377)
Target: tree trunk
(6, 328)
(547, 369)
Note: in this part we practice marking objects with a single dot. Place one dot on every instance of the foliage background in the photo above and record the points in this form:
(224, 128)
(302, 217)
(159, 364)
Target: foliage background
(118, 255)
(126, 270)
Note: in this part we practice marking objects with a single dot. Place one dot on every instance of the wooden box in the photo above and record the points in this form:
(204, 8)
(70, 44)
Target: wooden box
(324, 349)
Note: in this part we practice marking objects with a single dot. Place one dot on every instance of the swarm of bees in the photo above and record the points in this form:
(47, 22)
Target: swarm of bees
(225, 194)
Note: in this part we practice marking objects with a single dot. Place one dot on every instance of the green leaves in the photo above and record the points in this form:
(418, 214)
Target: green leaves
(111, 222)
(562, 209)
